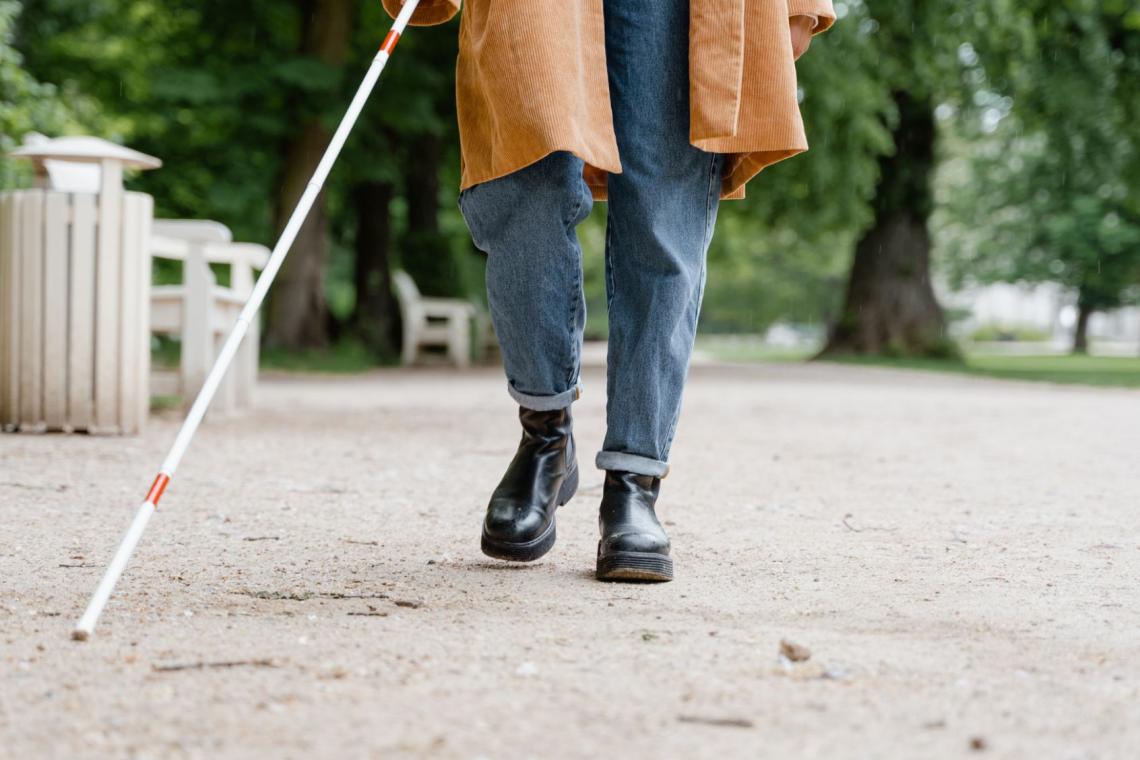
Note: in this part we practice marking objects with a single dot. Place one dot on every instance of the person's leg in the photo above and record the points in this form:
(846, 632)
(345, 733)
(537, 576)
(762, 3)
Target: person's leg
(526, 223)
(662, 209)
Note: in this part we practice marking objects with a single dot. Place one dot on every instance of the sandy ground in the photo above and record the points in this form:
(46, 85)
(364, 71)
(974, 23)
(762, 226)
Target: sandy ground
(960, 556)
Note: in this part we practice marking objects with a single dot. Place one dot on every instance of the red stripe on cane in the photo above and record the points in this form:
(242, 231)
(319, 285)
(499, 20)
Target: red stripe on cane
(157, 488)
(390, 42)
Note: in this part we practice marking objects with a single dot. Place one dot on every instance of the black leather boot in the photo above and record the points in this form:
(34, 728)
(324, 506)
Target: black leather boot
(634, 546)
(542, 477)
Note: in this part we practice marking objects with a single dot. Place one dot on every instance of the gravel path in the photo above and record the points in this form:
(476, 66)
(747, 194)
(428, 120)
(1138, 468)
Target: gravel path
(961, 557)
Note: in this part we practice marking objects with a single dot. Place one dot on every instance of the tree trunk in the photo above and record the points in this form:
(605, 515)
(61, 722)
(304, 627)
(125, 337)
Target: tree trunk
(376, 316)
(296, 314)
(1081, 334)
(890, 307)
(424, 251)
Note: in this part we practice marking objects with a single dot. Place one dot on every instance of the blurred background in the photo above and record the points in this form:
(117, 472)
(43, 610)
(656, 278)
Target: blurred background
(971, 201)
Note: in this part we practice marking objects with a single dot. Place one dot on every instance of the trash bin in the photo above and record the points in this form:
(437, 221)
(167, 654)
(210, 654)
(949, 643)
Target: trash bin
(74, 292)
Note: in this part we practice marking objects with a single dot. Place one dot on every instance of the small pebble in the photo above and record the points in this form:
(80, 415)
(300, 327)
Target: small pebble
(793, 651)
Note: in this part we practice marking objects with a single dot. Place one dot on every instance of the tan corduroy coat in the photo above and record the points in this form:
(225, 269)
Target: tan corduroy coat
(532, 80)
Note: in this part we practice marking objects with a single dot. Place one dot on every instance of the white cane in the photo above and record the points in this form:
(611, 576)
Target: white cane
(87, 623)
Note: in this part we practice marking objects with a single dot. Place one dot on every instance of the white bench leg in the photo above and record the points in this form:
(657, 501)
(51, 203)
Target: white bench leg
(197, 337)
(226, 400)
(460, 344)
(245, 369)
(411, 340)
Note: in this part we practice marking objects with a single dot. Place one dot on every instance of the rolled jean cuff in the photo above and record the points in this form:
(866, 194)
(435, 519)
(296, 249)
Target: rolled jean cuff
(545, 403)
(622, 462)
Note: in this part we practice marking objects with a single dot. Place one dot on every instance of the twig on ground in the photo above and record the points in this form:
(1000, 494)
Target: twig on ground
(719, 722)
(200, 665)
(262, 538)
(320, 489)
(360, 543)
(372, 612)
(874, 528)
(304, 596)
(30, 487)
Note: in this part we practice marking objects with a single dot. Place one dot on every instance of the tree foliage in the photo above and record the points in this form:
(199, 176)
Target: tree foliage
(1058, 157)
(28, 104)
(1036, 138)
(889, 306)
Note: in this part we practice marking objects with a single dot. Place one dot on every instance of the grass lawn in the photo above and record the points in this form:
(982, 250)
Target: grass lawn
(1122, 372)
(350, 357)
(344, 358)
(748, 349)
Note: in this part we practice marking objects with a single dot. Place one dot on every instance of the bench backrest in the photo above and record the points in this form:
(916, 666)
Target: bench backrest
(193, 241)
(406, 291)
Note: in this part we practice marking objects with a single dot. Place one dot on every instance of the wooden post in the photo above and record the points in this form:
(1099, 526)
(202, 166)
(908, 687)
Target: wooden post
(130, 281)
(224, 314)
(9, 312)
(244, 372)
(108, 299)
(145, 220)
(57, 207)
(81, 351)
(31, 312)
(197, 327)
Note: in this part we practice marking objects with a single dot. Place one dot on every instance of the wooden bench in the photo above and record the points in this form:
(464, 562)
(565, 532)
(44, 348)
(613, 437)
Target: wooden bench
(443, 322)
(200, 313)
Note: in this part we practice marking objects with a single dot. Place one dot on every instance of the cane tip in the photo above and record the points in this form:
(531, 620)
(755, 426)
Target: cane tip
(80, 635)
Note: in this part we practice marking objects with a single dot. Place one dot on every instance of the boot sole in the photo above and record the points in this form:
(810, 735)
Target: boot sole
(537, 548)
(635, 566)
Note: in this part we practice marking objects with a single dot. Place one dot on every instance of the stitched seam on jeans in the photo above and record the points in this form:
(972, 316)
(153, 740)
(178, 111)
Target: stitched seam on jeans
(715, 181)
(473, 218)
(464, 202)
(714, 194)
(577, 304)
(571, 226)
(609, 264)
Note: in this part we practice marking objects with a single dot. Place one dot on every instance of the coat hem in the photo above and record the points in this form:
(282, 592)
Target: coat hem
(743, 167)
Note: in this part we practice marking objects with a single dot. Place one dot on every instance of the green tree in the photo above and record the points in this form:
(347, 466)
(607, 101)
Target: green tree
(1062, 172)
(889, 306)
(27, 104)
(239, 99)
(203, 84)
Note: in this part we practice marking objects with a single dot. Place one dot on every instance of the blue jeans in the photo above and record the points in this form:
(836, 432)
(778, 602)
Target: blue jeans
(661, 214)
